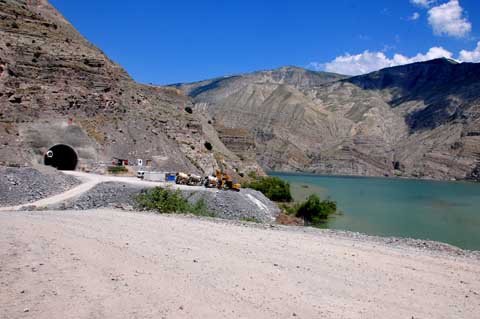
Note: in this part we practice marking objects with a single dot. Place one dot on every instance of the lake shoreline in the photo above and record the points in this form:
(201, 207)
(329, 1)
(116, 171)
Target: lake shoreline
(400, 178)
(436, 248)
(440, 211)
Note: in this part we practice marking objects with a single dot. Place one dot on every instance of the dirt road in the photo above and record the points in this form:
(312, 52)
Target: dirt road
(89, 181)
(112, 264)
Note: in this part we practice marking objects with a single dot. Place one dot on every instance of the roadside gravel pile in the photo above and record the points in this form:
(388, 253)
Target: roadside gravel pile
(246, 204)
(104, 195)
(25, 185)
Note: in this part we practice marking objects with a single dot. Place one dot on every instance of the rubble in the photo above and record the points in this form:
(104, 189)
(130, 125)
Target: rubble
(109, 194)
(224, 204)
(25, 185)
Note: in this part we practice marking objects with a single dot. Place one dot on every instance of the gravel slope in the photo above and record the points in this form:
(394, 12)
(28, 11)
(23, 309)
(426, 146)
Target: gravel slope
(104, 191)
(113, 264)
(103, 195)
(25, 185)
(224, 204)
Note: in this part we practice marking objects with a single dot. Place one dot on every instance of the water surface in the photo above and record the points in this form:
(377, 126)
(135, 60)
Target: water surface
(443, 211)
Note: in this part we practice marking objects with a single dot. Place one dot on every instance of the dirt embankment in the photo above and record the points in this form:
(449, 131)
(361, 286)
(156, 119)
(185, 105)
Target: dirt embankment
(114, 264)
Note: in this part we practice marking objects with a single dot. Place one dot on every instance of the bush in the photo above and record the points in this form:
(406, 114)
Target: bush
(289, 208)
(249, 219)
(117, 169)
(252, 175)
(314, 211)
(168, 201)
(200, 209)
(274, 188)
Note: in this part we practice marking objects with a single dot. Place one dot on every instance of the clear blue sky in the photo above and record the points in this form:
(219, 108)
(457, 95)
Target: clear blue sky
(165, 42)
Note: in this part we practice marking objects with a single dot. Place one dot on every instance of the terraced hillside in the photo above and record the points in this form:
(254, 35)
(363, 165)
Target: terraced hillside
(420, 120)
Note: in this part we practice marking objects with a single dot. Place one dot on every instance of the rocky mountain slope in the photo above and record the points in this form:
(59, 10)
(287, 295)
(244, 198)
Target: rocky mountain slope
(56, 87)
(420, 120)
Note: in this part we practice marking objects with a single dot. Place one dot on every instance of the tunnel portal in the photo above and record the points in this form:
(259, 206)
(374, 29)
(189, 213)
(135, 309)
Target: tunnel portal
(62, 157)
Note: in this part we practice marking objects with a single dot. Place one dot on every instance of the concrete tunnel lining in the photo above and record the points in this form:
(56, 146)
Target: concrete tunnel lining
(62, 157)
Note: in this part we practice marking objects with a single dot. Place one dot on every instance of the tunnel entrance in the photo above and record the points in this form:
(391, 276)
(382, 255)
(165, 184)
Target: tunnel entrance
(62, 157)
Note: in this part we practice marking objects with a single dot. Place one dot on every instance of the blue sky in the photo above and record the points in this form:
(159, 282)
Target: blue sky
(165, 42)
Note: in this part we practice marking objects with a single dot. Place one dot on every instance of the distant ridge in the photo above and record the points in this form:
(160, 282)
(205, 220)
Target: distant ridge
(415, 120)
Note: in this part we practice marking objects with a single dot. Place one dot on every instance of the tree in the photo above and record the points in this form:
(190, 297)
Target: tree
(274, 188)
(314, 211)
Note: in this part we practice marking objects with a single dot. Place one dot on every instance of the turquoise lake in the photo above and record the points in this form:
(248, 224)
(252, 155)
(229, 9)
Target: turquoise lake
(448, 212)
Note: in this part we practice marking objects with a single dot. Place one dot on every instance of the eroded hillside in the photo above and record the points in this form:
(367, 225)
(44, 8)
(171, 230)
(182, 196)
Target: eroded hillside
(418, 120)
(56, 87)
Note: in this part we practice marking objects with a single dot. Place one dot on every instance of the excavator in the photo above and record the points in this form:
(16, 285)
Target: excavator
(224, 181)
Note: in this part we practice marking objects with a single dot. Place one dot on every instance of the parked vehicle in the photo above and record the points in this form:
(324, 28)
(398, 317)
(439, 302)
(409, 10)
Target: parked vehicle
(182, 178)
(210, 182)
(194, 180)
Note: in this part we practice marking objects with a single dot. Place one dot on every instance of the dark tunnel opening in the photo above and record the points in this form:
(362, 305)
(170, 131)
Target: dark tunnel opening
(62, 157)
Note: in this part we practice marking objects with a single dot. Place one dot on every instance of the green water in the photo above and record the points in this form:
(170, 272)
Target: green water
(442, 211)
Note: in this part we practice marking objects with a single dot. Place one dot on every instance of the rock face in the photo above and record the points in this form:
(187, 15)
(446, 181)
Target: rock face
(57, 88)
(420, 120)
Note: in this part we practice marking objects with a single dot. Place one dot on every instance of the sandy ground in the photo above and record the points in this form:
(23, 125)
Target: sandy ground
(89, 181)
(113, 264)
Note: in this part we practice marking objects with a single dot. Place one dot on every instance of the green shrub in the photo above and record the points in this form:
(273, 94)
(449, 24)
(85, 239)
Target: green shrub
(289, 208)
(200, 209)
(249, 219)
(314, 211)
(252, 175)
(117, 169)
(274, 188)
(168, 201)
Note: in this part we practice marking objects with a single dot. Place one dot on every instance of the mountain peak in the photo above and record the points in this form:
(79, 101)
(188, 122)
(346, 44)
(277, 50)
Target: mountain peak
(440, 61)
(290, 68)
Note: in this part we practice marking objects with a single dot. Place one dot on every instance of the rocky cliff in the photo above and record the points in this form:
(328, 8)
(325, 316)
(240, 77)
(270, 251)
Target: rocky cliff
(56, 87)
(418, 120)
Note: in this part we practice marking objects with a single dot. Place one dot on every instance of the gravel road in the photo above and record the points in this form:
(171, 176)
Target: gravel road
(104, 191)
(114, 264)
(89, 181)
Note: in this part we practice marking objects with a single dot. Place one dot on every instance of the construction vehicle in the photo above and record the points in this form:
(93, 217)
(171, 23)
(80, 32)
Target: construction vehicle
(182, 178)
(225, 181)
(194, 180)
(210, 182)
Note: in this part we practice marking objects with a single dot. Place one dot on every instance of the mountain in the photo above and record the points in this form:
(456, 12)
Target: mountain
(294, 76)
(57, 88)
(417, 120)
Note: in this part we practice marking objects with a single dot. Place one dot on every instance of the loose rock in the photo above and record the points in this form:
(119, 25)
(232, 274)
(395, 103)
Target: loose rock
(25, 185)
